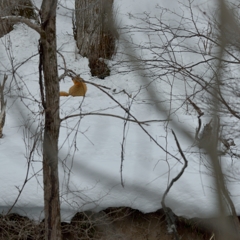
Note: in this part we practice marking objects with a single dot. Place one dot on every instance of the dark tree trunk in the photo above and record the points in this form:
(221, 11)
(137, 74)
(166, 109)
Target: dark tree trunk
(95, 34)
(52, 122)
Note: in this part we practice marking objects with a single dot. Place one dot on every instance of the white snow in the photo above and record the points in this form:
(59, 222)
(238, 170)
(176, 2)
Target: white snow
(90, 147)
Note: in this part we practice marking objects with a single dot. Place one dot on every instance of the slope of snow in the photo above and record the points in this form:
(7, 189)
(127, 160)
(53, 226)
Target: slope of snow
(90, 147)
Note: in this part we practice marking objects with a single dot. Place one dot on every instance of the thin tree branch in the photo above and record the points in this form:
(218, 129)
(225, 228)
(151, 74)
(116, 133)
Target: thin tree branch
(29, 160)
(112, 115)
(167, 211)
(28, 22)
(132, 116)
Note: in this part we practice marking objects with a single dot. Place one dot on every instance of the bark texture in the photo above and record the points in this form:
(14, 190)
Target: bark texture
(95, 33)
(22, 8)
(48, 58)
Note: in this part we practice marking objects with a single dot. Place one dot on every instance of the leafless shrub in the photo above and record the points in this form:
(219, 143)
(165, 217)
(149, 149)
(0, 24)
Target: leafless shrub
(208, 78)
(14, 226)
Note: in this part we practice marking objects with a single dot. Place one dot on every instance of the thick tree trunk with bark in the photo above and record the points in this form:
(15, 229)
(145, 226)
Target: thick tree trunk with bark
(95, 34)
(52, 122)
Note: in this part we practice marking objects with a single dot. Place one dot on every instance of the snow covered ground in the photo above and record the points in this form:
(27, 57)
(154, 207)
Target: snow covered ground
(90, 147)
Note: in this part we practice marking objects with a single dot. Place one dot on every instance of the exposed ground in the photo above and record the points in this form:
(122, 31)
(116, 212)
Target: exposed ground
(110, 224)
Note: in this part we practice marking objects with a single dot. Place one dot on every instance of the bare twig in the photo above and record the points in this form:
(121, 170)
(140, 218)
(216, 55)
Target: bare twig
(3, 104)
(123, 148)
(135, 119)
(65, 67)
(167, 211)
(29, 161)
(124, 136)
(112, 115)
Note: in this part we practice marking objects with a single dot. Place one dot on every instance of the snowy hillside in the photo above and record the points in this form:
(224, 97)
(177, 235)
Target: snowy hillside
(90, 146)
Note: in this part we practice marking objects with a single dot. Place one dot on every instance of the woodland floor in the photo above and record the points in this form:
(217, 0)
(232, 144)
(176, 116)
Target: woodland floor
(112, 223)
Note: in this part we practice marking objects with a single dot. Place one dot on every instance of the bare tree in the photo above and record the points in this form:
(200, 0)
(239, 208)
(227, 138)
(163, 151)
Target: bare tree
(50, 102)
(205, 60)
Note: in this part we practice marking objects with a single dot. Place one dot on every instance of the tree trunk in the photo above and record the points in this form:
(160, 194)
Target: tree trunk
(52, 122)
(95, 34)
